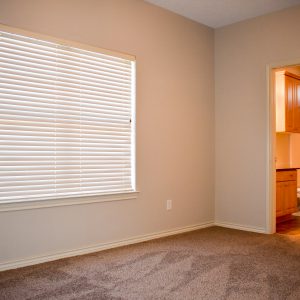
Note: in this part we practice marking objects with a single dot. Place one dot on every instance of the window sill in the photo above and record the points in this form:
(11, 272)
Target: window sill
(35, 204)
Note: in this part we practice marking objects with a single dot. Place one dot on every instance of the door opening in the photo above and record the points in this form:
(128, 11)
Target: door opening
(284, 149)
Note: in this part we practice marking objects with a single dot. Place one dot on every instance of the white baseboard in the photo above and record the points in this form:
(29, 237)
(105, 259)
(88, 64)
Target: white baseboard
(241, 227)
(99, 247)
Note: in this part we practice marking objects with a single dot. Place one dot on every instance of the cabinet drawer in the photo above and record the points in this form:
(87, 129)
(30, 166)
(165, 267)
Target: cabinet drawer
(286, 175)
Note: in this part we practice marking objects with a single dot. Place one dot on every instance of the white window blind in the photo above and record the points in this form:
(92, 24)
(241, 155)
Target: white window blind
(66, 121)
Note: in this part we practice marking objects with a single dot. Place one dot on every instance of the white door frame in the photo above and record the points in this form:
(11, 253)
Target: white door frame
(271, 144)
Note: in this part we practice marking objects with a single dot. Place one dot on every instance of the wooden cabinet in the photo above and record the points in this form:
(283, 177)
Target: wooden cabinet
(286, 192)
(287, 98)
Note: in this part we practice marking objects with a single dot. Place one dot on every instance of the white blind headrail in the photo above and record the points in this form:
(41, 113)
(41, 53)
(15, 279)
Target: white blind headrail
(66, 121)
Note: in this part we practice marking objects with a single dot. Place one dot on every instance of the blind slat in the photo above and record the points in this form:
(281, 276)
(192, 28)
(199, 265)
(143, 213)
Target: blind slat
(71, 84)
(61, 69)
(8, 67)
(53, 58)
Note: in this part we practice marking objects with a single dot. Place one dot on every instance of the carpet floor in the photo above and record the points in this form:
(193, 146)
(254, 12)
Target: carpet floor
(212, 263)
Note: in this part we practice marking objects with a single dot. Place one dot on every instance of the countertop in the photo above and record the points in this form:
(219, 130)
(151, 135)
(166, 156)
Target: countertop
(287, 169)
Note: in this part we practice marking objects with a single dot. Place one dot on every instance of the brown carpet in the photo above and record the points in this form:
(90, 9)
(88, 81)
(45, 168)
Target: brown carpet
(213, 263)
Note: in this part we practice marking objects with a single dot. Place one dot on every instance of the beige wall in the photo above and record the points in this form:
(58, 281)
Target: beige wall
(175, 124)
(283, 150)
(242, 52)
(295, 153)
(295, 149)
(288, 151)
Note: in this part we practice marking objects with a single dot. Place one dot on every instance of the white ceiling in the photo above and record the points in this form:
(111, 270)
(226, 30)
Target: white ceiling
(218, 13)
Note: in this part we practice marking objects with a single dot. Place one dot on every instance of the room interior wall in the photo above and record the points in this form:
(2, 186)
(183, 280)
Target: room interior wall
(242, 53)
(288, 151)
(283, 158)
(295, 153)
(175, 125)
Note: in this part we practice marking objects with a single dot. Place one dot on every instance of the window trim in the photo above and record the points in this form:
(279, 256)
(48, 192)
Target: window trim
(80, 199)
(35, 204)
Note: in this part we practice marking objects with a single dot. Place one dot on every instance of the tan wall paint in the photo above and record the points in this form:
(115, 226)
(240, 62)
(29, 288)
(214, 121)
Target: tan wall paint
(295, 153)
(288, 152)
(282, 150)
(295, 149)
(175, 124)
(242, 52)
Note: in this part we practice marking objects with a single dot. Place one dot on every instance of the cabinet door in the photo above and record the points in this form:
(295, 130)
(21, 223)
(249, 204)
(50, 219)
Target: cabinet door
(297, 105)
(289, 104)
(290, 197)
(286, 198)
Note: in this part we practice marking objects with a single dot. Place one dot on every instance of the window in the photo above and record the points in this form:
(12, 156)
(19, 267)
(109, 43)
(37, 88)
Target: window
(67, 120)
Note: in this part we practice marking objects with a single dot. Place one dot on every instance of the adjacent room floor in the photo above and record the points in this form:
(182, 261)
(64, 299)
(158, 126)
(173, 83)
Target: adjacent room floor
(213, 263)
(290, 227)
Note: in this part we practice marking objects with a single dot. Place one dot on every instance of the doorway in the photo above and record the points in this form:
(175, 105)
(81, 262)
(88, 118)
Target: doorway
(284, 149)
